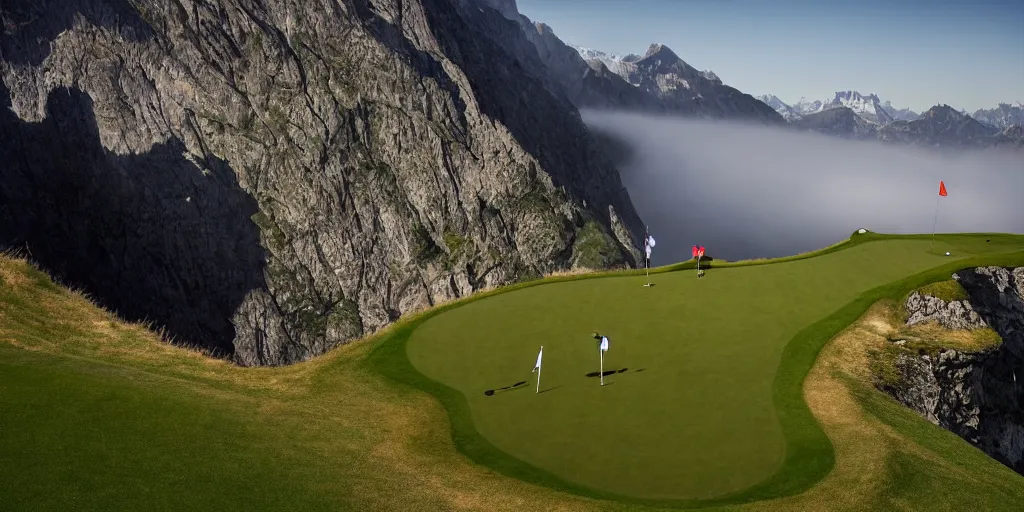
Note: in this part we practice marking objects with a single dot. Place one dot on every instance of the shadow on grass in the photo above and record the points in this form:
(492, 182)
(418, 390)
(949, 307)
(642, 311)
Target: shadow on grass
(518, 385)
(550, 389)
(607, 372)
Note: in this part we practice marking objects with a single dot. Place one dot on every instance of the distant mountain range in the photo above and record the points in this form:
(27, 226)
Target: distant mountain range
(851, 114)
(841, 121)
(624, 65)
(869, 107)
(1003, 116)
(939, 126)
(903, 114)
(660, 80)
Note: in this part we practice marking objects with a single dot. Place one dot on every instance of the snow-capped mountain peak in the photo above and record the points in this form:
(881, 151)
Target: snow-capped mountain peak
(613, 61)
(1003, 116)
(710, 75)
(788, 113)
(661, 55)
(806, 106)
(662, 51)
(867, 106)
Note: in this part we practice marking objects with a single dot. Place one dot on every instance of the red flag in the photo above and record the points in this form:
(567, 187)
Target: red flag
(700, 252)
(942, 189)
(694, 251)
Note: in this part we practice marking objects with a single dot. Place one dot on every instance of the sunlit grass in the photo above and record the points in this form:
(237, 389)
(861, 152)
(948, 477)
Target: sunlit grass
(99, 414)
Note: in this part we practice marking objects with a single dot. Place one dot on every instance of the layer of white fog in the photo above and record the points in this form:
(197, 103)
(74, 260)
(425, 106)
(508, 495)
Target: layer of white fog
(749, 191)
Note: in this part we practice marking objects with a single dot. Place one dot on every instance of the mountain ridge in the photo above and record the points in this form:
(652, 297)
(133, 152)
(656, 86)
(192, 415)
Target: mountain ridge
(1004, 115)
(673, 86)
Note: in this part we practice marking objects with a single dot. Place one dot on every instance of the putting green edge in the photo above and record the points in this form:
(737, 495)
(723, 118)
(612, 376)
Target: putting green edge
(809, 454)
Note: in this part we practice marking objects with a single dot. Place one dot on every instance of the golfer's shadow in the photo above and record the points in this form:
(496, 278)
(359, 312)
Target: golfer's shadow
(518, 385)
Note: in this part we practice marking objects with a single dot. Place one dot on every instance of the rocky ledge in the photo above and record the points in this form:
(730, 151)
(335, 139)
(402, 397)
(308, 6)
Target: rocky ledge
(972, 394)
(953, 314)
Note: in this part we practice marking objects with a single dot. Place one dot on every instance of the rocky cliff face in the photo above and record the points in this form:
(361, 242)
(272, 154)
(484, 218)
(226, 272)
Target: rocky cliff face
(954, 314)
(569, 75)
(975, 395)
(269, 179)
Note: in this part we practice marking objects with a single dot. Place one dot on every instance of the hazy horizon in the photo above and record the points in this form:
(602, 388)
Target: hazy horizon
(915, 54)
(747, 191)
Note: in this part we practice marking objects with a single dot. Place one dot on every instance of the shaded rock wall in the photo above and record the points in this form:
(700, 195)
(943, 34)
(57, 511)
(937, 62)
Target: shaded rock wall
(161, 237)
(272, 178)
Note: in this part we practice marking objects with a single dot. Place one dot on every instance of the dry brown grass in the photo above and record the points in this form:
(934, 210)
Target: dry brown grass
(572, 272)
(861, 444)
(9, 274)
(971, 340)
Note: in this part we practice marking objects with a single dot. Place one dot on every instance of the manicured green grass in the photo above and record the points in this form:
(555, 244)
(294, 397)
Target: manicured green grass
(99, 415)
(700, 420)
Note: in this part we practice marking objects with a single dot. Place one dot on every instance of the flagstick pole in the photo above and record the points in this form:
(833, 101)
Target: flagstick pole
(602, 365)
(936, 221)
(538, 379)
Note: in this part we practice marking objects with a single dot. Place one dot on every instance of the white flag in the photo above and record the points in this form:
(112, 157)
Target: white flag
(539, 356)
(604, 343)
(650, 241)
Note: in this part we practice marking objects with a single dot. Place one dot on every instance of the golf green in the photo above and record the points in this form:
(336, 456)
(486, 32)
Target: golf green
(691, 414)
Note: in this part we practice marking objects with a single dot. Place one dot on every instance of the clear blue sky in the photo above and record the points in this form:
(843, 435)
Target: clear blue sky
(915, 53)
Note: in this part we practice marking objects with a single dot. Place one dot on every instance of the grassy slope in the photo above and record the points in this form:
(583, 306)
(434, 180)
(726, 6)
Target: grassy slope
(328, 434)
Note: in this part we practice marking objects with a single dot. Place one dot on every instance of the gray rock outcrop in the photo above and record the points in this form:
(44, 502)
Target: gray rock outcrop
(269, 179)
(954, 314)
(974, 395)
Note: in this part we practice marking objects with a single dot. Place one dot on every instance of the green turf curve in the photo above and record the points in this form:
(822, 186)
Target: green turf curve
(809, 456)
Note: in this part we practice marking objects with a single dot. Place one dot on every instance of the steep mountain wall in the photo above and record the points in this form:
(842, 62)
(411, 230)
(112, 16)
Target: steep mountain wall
(974, 395)
(269, 179)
